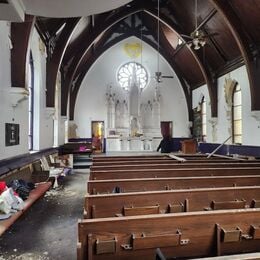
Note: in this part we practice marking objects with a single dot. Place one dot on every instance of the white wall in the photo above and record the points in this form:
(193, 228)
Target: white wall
(43, 117)
(9, 113)
(91, 102)
(17, 112)
(250, 125)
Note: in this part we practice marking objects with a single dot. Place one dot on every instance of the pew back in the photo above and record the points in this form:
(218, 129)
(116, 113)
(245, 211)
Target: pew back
(110, 205)
(183, 172)
(174, 165)
(149, 184)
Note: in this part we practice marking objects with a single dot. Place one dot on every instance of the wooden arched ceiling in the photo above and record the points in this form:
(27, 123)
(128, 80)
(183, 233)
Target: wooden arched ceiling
(237, 42)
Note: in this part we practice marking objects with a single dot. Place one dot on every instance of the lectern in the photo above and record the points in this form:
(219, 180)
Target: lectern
(189, 146)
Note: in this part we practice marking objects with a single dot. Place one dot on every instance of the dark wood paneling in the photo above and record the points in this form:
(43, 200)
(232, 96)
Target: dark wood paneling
(248, 13)
(188, 66)
(20, 35)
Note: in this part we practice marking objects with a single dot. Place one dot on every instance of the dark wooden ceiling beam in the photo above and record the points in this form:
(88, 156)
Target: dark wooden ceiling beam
(207, 19)
(73, 94)
(210, 79)
(20, 37)
(100, 27)
(54, 59)
(253, 70)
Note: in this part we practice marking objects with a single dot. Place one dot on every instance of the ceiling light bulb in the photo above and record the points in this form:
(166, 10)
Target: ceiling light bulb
(202, 42)
(196, 44)
(195, 41)
(197, 34)
(180, 41)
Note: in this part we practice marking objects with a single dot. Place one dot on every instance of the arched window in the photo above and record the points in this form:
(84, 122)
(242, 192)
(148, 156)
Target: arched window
(237, 115)
(31, 102)
(132, 71)
(203, 119)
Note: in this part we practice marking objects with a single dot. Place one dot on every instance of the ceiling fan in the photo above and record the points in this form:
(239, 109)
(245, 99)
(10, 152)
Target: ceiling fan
(158, 74)
(197, 38)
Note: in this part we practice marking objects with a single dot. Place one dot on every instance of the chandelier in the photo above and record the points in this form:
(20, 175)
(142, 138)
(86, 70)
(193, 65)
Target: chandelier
(198, 40)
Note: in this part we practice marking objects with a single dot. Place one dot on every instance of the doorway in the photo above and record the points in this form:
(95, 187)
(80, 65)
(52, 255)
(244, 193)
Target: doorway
(166, 128)
(97, 133)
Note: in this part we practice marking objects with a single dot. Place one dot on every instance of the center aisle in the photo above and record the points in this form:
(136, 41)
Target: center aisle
(48, 231)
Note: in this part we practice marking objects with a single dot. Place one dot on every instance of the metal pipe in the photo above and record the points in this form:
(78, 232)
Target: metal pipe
(218, 147)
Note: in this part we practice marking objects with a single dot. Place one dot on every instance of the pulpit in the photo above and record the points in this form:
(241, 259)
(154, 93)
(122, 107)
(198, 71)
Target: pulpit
(189, 146)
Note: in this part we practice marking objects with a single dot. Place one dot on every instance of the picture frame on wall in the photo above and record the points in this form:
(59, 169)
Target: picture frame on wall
(12, 135)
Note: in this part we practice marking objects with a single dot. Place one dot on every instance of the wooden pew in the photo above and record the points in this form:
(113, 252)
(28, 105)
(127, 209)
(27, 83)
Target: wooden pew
(193, 234)
(171, 161)
(184, 200)
(183, 172)
(174, 165)
(35, 194)
(133, 157)
(76, 148)
(99, 159)
(151, 184)
(29, 173)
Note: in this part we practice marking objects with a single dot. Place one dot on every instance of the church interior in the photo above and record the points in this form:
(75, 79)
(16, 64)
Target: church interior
(130, 129)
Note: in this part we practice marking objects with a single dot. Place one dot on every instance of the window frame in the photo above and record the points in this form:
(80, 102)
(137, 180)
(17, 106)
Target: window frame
(237, 89)
(125, 68)
(31, 104)
(203, 106)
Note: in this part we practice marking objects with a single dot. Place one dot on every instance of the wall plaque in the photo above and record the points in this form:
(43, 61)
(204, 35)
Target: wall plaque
(11, 134)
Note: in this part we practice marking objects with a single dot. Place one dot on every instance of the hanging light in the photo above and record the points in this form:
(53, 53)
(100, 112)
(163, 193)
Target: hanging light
(198, 36)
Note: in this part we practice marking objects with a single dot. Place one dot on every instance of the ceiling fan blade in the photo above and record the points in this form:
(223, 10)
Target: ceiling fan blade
(211, 34)
(186, 36)
(168, 77)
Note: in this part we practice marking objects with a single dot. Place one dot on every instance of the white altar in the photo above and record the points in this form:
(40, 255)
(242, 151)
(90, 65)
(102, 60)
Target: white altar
(133, 124)
(115, 144)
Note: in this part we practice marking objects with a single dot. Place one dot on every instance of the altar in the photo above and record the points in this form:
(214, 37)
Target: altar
(117, 143)
(133, 120)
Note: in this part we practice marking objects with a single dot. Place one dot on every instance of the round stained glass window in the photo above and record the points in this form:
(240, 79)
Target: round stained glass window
(130, 73)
